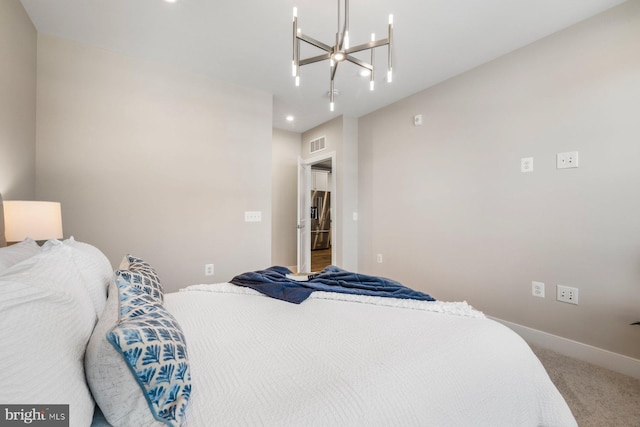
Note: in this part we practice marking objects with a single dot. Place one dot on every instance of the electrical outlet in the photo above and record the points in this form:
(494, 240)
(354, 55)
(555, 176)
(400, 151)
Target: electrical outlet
(567, 160)
(379, 258)
(526, 164)
(208, 269)
(567, 294)
(537, 289)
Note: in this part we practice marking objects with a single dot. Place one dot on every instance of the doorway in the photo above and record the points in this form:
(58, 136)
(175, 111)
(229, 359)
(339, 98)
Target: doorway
(316, 207)
(321, 221)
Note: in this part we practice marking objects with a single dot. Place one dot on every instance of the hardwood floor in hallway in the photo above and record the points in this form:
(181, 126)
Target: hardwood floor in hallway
(320, 258)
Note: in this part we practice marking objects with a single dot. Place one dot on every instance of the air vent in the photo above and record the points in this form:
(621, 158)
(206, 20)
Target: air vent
(317, 144)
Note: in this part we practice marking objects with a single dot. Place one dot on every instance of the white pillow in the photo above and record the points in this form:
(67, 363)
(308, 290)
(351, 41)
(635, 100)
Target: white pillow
(3, 242)
(13, 254)
(94, 267)
(46, 321)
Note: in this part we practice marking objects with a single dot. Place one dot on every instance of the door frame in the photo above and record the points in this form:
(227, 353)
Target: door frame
(331, 155)
(303, 245)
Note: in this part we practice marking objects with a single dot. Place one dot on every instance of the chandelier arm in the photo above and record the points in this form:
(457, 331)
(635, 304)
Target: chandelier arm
(297, 57)
(331, 95)
(345, 26)
(318, 58)
(371, 76)
(295, 39)
(338, 26)
(346, 17)
(362, 64)
(390, 60)
(315, 42)
(365, 46)
(334, 69)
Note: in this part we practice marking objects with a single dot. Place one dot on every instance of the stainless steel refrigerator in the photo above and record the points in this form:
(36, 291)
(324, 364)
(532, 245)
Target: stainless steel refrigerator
(320, 220)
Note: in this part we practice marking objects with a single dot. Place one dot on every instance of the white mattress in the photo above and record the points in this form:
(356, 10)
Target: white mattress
(339, 362)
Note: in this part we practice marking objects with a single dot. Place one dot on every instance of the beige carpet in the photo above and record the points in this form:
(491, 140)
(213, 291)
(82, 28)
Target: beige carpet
(597, 397)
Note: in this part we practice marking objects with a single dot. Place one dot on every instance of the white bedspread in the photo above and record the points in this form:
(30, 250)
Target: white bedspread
(338, 360)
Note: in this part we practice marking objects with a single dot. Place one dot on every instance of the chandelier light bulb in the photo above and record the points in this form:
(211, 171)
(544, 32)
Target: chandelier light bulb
(293, 68)
(389, 76)
(338, 56)
(295, 12)
(373, 37)
(371, 85)
(297, 81)
(331, 106)
(346, 40)
(390, 19)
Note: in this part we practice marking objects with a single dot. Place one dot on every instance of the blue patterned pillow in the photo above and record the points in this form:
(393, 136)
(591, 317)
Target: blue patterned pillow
(155, 350)
(140, 274)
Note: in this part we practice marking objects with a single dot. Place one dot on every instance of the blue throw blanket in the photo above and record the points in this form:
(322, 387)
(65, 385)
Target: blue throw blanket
(274, 283)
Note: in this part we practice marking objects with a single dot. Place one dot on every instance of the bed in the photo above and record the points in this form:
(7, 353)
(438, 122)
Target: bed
(239, 357)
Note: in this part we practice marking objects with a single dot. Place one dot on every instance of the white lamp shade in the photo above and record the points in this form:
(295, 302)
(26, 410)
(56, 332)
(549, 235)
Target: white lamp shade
(37, 220)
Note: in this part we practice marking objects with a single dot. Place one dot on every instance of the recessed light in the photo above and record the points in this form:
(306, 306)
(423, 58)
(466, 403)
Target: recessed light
(290, 118)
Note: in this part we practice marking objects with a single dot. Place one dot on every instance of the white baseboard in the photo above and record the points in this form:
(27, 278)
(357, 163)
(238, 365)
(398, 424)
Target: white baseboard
(587, 353)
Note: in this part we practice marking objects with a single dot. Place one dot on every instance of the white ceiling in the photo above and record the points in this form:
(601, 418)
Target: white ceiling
(248, 42)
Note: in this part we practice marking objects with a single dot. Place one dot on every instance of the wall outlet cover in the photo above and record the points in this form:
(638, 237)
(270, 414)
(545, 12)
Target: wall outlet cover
(208, 269)
(567, 294)
(526, 164)
(567, 160)
(537, 289)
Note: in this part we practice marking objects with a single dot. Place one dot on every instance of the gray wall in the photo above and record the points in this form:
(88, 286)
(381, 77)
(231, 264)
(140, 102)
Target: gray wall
(154, 161)
(284, 176)
(342, 137)
(18, 47)
(348, 178)
(449, 209)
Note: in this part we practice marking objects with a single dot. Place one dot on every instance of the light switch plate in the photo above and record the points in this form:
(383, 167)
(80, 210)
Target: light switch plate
(253, 216)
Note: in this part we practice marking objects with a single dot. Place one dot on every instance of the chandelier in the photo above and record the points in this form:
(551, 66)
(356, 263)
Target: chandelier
(341, 51)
